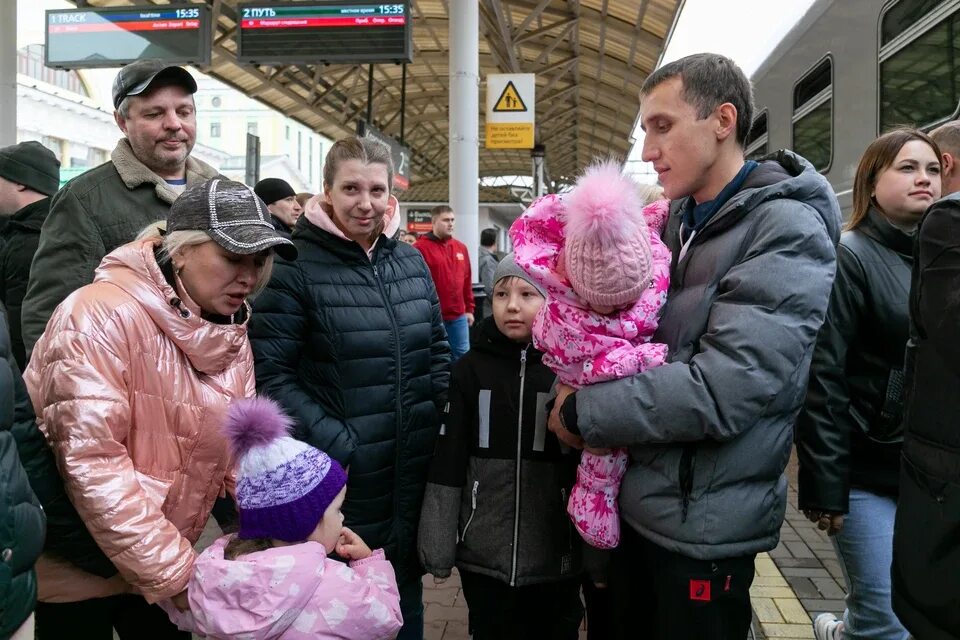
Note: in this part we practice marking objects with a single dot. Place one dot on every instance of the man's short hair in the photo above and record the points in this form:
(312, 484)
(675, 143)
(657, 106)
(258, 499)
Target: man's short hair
(947, 137)
(709, 80)
(439, 210)
(488, 237)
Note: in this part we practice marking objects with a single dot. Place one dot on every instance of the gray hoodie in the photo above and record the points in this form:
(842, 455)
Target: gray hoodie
(710, 431)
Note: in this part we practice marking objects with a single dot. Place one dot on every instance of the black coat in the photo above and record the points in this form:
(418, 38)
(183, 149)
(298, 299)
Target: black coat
(355, 350)
(499, 480)
(856, 376)
(22, 524)
(18, 243)
(926, 539)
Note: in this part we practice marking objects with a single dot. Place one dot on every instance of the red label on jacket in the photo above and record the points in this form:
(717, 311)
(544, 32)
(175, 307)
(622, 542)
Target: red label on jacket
(700, 590)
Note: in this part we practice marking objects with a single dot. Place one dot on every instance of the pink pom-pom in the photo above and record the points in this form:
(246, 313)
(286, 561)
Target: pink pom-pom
(604, 205)
(254, 422)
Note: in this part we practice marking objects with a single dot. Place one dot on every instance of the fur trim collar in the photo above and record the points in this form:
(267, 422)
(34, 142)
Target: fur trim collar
(134, 173)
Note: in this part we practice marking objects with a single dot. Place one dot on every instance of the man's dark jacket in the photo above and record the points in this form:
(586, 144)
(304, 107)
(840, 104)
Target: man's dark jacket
(848, 430)
(926, 537)
(18, 244)
(21, 517)
(355, 350)
(710, 431)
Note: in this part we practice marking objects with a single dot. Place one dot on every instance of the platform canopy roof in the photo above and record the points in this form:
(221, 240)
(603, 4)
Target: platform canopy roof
(590, 57)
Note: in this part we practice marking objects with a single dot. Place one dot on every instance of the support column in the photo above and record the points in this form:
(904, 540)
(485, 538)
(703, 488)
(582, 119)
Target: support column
(465, 124)
(8, 73)
(538, 154)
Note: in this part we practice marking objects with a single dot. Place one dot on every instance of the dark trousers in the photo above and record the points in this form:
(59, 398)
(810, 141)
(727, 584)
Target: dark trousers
(661, 595)
(551, 611)
(411, 608)
(96, 619)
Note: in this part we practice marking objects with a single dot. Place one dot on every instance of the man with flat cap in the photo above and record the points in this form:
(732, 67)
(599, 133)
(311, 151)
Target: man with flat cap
(108, 205)
(29, 175)
(281, 201)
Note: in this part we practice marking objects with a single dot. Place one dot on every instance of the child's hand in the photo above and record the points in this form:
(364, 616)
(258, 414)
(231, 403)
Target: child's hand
(180, 601)
(598, 451)
(351, 546)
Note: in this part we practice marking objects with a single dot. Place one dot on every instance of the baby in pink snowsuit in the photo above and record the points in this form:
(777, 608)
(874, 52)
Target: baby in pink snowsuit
(275, 578)
(597, 252)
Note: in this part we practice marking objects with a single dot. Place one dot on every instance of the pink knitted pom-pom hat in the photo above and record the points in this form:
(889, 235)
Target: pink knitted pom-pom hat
(606, 255)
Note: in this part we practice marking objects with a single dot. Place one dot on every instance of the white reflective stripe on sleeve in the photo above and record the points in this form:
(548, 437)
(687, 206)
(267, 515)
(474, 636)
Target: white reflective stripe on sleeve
(540, 432)
(484, 404)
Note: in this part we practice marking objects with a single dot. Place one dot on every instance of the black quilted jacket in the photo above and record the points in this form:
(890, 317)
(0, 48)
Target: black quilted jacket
(354, 348)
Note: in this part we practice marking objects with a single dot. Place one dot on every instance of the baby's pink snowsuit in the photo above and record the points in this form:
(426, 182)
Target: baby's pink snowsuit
(584, 347)
(289, 593)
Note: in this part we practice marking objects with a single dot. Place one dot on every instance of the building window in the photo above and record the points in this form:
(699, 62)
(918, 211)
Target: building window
(252, 127)
(310, 159)
(214, 129)
(756, 145)
(299, 150)
(813, 115)
(216, 101)
(919, 64)
(288, 132)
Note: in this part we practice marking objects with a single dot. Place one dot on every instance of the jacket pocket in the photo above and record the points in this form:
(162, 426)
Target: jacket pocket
(473, 508)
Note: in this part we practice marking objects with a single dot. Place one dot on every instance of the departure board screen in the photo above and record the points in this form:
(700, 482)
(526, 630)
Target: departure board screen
(99, 37)
(325, 31)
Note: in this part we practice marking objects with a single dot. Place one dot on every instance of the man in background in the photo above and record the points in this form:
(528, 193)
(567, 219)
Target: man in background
(449, 264)
(487, 261)
(281, 201)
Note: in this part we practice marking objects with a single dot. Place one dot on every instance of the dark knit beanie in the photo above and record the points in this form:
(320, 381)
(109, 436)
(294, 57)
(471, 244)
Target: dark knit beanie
(272, 189)
(32, 165)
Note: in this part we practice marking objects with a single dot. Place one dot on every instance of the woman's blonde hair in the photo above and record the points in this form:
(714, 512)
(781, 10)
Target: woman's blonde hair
(649, 193)
(366, 150)
(176, 241)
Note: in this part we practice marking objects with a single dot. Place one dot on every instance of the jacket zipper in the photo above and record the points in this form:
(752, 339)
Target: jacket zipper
(688, 464)
(396, 342)
(473, 508)
(516, 499)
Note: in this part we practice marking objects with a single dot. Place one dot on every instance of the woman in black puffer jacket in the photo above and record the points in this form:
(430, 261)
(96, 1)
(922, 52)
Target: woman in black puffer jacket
(349, 339)
(22, 525)
(849, 432)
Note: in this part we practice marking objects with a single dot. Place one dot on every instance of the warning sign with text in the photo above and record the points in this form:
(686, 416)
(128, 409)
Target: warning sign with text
(510, 110)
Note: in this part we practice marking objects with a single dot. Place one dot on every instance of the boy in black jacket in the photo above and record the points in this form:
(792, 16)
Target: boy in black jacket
(495, 503)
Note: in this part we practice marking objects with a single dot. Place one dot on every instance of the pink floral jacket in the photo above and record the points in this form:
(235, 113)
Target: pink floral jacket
(290, 593)
(580, 345)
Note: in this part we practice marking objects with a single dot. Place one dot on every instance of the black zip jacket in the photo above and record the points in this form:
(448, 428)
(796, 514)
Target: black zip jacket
(355, 350)
(497, 492)
(926, 537)
(848, 431)
(18, 243)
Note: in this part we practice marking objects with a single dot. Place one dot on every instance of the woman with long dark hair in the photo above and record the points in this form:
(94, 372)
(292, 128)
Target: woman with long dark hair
(848, 434)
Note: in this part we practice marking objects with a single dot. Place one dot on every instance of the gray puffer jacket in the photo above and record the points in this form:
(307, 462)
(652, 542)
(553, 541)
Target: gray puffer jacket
(710, 431)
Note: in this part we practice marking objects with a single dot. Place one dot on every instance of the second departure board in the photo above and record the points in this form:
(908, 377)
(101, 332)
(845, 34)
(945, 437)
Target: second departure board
(324, 31)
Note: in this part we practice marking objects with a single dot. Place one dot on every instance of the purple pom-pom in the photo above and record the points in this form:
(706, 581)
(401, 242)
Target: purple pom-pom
(254, 422)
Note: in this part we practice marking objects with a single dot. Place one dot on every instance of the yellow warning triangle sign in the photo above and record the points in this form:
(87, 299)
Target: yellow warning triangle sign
(509, 100)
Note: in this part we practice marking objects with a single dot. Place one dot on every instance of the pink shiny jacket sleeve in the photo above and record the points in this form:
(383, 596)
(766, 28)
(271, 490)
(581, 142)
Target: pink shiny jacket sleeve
(79, 391)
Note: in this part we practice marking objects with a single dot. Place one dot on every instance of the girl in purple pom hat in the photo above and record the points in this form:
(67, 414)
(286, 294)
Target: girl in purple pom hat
(275, 578)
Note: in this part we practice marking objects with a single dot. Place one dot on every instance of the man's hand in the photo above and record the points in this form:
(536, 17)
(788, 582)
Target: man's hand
(351, 546)
(180, 601)
(832, 523)
(470, 319)
(555, 424)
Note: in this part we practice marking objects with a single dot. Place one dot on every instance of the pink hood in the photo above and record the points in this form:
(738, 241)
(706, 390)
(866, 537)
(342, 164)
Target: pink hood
(290, 593)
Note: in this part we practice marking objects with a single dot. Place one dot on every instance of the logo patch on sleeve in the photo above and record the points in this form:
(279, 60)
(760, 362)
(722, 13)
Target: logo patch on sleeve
(700, 590)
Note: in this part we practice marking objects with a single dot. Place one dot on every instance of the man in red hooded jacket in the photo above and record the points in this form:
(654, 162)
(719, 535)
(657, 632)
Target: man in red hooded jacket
(449, 264)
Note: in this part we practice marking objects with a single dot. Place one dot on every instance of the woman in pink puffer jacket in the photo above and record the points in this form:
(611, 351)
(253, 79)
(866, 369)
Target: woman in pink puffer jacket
(597, 252)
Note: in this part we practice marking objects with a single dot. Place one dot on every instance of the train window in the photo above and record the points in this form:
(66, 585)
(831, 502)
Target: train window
(902, 16)
(813, 115)
(756, 146)
(920, 69)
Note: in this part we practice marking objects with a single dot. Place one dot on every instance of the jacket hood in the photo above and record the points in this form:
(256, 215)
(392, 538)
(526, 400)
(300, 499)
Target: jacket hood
(210, 347)
(319, 213)
(782, 175)
(134, 173)
(237, 598)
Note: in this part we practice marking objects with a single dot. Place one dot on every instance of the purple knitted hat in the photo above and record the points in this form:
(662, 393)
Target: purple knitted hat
(283, 485)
